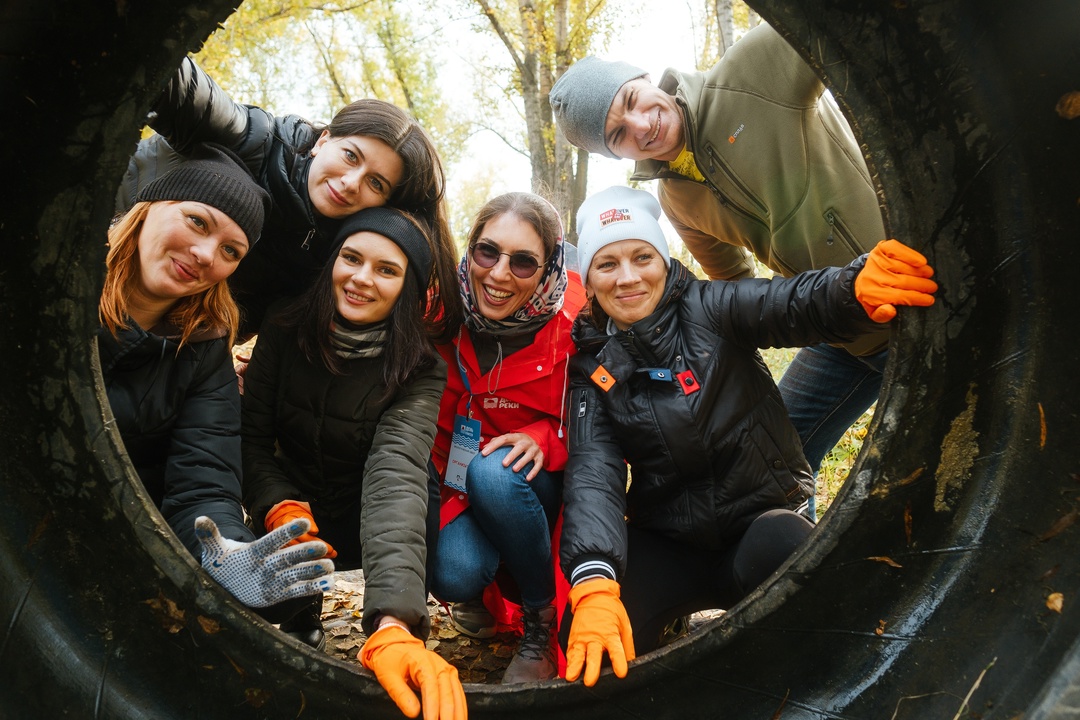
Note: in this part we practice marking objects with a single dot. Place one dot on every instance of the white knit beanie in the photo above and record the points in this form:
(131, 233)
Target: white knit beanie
(618, 213)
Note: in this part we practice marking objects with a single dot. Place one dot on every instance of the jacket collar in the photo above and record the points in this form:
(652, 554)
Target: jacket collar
(133, 344)
(647, 342)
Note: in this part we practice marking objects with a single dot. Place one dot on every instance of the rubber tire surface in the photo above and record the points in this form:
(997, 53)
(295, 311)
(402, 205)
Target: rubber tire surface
(927, 582)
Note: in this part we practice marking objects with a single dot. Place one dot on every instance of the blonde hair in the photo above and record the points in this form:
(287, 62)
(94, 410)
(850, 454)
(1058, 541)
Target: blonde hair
(210, 309)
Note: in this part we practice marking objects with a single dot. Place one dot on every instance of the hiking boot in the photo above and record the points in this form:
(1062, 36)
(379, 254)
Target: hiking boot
(306, 626)
(535, 656)
(473, 619)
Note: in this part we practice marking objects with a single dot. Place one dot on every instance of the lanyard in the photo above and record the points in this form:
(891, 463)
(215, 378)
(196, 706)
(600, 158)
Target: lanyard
(464, 375)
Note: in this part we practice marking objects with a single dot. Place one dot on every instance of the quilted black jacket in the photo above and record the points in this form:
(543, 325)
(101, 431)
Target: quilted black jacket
(694, 411)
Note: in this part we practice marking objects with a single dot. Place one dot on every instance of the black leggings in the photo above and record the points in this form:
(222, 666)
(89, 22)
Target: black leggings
(666, 579)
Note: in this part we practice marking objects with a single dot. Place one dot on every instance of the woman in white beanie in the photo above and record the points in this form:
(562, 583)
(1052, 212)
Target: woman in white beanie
(669, 381)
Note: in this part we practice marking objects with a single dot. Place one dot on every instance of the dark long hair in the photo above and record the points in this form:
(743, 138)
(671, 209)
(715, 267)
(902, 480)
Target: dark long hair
(408, 346)
(421, 193)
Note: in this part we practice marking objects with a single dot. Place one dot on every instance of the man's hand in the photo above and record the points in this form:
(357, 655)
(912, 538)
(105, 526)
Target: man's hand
(401, 664)
(261, 573)
(894, 274)
(600, 624)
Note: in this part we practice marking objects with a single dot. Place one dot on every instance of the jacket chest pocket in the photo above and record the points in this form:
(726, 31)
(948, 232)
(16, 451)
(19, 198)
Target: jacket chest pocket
(741, 197)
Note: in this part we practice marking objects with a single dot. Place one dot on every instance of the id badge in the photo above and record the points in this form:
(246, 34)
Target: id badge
(464, 445)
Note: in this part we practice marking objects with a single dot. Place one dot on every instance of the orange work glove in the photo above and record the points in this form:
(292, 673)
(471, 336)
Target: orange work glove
(402, 663)
(600, 623)
(288, 510)
(894, 274)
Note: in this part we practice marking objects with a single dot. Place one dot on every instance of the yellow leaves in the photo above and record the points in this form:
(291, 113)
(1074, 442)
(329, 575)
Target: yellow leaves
(168, 613)
(1055, 601)
(1068, 105)
(884, 559)
(209, 625)
(908, 522)
(1060, 524)
(1042, 427)
(256, 697)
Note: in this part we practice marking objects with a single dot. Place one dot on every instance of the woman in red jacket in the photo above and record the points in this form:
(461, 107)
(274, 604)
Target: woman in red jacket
(501, 443)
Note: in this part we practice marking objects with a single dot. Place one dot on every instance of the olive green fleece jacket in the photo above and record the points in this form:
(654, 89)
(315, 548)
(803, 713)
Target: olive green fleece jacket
(785, 180)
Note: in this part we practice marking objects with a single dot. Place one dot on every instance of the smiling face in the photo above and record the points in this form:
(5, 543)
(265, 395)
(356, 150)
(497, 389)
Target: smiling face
(184, 248)
(498, 292)
(369, 273)
(627, 278)
(351, 173)
(644, 123)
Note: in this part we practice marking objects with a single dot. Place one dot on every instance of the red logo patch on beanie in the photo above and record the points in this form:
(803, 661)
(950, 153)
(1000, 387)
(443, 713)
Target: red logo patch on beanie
(615, 215)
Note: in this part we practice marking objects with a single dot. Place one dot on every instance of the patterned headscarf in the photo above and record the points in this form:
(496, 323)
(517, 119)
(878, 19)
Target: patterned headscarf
(545, 302)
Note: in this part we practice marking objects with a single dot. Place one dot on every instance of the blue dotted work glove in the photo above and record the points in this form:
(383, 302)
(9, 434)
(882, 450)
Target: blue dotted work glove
(262, 573)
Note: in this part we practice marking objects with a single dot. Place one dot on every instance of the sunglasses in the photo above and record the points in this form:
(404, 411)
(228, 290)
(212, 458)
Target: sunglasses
(522, 264)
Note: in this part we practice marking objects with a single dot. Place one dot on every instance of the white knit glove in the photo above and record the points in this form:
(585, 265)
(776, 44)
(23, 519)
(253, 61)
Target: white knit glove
(261, 573)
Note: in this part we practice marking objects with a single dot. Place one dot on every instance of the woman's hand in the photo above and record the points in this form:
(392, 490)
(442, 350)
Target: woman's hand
(264, 573)
(286, 512)
(402, 664)
(600, 625)
(240, 366)
(523, 447)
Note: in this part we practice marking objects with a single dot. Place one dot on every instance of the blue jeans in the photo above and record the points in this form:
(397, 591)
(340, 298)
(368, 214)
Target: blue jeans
(826, 389)
(508, 520)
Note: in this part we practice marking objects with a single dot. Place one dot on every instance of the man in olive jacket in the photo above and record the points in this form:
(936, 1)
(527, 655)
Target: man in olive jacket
(752, 160)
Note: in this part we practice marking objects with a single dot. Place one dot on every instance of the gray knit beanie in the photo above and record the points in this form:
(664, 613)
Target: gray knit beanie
(582, 97)
(618, 213)
(214, 175)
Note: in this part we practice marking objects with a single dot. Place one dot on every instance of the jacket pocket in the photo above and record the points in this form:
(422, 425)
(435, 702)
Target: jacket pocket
(840, 232)
(753, 205)
(779, 466)
(581, 415)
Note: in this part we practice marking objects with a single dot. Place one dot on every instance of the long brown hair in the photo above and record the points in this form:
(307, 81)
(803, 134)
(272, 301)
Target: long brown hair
(421, 193)
(213, 308)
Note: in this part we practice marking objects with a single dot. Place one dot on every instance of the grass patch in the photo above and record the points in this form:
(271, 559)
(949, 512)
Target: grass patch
(837, 462)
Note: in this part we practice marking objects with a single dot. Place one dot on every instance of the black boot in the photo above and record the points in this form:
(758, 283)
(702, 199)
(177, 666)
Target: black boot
(306, 625)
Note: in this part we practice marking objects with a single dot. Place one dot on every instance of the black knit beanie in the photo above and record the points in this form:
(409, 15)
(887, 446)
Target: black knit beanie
(214, 175)
(396, 226)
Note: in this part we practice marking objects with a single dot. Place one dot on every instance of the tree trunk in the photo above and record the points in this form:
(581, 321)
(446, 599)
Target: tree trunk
(725, 22)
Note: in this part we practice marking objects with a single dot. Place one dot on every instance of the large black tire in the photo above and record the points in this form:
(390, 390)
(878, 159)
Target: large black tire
(927, 583)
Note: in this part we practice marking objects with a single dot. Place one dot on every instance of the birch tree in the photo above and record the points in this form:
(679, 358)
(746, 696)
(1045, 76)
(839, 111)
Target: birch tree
(281, 54)
(540, 40)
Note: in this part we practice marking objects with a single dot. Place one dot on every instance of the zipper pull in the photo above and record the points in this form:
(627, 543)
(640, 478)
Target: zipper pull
(307, 239)
(832, 222)
(581, 409)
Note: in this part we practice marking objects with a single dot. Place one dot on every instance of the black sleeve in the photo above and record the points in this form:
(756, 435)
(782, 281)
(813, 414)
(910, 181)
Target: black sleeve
(202, 472)
(594, 486)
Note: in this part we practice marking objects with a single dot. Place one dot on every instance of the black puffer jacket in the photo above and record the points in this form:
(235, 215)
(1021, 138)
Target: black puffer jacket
(311, 435)
(694, 411)
(295, 242)
(178, 412)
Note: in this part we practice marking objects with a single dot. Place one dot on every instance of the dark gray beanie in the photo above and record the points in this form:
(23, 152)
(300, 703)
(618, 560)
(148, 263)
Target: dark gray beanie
(214, 175)
(397, 227)
(582, 97)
